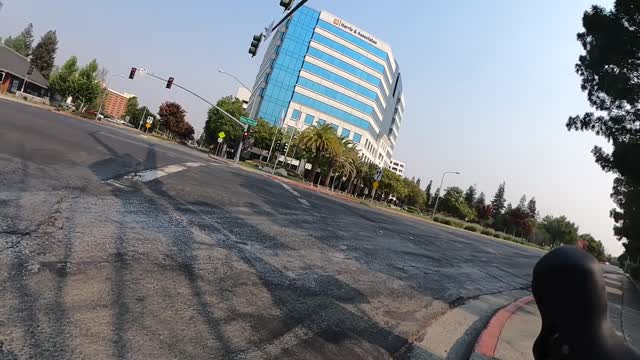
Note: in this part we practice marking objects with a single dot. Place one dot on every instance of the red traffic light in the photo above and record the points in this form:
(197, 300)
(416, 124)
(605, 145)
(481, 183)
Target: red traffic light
(132, 74)
(169, 83)
(245, 135)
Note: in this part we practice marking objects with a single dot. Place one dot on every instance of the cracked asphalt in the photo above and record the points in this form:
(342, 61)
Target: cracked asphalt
(212, 262)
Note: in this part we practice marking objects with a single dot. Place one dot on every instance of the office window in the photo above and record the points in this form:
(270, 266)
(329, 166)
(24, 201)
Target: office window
(295, 115)
(356, 138)
(321, 122)
(345, 133)
(308, 120)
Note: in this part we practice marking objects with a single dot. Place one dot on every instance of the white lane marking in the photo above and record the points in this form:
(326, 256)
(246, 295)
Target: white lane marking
(304, 202)
(153, 174)
(111, 182)
(289, 188)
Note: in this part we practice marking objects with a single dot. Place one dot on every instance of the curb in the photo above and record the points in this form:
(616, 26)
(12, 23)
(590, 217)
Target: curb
(488, 340)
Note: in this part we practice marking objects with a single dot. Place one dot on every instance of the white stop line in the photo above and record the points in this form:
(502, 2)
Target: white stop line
(153, 174)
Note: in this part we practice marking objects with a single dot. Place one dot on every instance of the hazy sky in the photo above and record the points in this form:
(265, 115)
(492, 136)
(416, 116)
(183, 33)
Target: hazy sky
(489, 84)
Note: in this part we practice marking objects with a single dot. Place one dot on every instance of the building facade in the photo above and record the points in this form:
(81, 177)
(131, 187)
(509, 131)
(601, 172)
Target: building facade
(397, 167)
(244, 95)
(320, 69)
(115, 103)
(13, 74)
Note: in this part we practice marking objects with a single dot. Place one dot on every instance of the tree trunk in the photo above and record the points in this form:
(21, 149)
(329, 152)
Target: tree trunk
(315, 164)
(332, 167)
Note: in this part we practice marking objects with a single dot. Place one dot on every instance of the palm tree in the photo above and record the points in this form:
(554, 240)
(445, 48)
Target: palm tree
(341, 158)
(346, 164)
(320, 140)
(361, 174)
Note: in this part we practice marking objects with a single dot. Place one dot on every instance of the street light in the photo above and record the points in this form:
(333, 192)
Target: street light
(104, 97)
(435, 207)
(239, 82)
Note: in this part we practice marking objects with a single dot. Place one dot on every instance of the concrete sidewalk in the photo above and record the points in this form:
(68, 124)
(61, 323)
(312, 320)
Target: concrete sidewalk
(512, 331)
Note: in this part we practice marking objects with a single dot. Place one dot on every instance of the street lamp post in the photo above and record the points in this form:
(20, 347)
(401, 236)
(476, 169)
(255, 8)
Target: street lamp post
(104, 97)
(235, 78)
(435, 207)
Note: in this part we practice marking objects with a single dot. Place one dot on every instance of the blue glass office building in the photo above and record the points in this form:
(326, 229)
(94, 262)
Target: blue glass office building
(320, 69)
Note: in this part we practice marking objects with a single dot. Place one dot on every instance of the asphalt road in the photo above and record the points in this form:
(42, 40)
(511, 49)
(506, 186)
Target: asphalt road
(99, 260)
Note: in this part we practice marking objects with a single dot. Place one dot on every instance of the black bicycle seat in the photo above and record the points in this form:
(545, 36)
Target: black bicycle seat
(570, 293)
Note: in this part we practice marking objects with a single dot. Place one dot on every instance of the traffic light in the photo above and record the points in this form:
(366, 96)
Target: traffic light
(286, 147)
(169, 83)
(278, 145)
(31, 68)
(132, 74)
(245, 135)
(286, 4)
(255, 44)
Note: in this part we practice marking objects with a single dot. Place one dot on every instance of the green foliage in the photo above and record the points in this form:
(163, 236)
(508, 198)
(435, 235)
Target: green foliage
(132, 111)
(263, 134)
(593, 247)
(218, 122)
(43, 56)
(61, 80)
(499, 200)
(609, 70)
(454, 204)
(470, 196)
(23, 43)
(473, 228)
(85, 86)
(487, 232)
(321, 141)
(541, 237)
(428, 194)
(560, 229)
(532, 208)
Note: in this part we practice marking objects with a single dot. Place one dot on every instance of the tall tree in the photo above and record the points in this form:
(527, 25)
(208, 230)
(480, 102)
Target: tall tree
(263, 134)
(610, 68)
(499, 200)
(453, 203)
(173, 118)
(593, 246)
(560, 229)
(61, 80)
(86, 87)
(23, 43)
(522, 204)
(218, 122)
(43, 56)
(481, 200)
(321, 141)
(532, 207)
(470, 196)
(132, 110)
(428, 194)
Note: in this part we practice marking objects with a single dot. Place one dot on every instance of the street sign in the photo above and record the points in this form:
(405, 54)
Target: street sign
(219, 140)
(248, 121)
(378, 176)
(149, 119)
(221, 135)
(127, 118)
(148, 125)
(376, 185)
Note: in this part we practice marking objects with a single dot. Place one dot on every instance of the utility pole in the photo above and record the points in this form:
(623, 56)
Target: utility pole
(435, 207)
(142, 120)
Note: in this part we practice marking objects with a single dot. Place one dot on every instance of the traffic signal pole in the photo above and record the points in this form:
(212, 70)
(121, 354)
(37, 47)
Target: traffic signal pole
(244, 126)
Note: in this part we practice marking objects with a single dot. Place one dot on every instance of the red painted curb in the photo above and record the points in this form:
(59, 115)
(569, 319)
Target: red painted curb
(488, 340)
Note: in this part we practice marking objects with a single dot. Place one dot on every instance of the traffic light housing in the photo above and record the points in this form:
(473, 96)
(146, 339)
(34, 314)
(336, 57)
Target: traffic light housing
(245, 135)
(286, 4)
(255, 44)
(278, 145)
(132, 74)
(31, 68)
(169, 83)
(285, 148)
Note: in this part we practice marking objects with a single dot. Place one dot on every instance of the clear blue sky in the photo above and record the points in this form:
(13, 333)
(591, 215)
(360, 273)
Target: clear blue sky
(489, 84)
